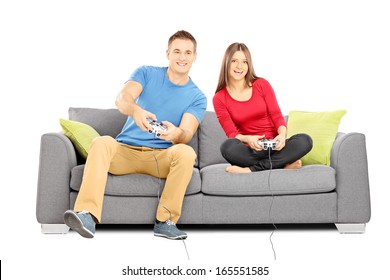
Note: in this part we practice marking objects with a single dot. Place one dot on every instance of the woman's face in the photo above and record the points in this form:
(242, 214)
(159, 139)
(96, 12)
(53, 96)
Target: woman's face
(238, 66)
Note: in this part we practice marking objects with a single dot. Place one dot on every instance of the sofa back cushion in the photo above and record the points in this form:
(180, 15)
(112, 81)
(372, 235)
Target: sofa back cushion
(104, 121)
(211, 136)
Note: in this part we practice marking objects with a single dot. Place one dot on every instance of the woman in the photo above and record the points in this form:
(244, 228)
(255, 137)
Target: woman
(248, 111)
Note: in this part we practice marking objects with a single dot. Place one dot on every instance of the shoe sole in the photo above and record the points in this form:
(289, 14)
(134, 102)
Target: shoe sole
(179, 237)
(74, 222)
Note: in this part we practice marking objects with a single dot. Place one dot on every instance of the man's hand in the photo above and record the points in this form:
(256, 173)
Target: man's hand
(142, 117)
(182, 134)
(173, 133)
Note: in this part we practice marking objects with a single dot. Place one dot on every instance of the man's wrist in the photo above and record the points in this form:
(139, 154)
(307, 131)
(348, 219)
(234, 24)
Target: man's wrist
(179, 136)
(133, 109)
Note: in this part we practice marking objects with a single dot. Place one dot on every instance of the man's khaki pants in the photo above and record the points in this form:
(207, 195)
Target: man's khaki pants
(106, 155)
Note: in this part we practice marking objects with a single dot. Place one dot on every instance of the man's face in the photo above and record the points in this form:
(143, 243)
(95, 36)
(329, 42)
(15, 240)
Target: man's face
(181, 55)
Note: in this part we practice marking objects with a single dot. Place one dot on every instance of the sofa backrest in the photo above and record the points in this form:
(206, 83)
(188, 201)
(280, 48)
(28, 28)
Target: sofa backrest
(211, 136)
(109, 122)
(206, 142)
(104, 121)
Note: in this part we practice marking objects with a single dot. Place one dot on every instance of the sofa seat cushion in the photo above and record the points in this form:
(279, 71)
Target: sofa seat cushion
(308, 179)
(133, 184)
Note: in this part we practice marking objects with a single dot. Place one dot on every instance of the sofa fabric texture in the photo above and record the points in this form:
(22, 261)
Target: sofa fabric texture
(338, 193)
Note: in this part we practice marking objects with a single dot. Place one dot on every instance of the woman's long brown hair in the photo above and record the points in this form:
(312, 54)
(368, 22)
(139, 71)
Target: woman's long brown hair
(223, 80)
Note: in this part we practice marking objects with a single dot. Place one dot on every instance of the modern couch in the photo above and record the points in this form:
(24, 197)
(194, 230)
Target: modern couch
(314, 194)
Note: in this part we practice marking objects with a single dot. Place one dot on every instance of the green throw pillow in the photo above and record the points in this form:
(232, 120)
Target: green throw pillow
(80, 134)
(322, 127)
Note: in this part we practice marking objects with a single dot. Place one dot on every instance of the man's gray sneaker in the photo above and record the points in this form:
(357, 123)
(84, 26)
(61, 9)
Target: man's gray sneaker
(81, 222)
(169, 230)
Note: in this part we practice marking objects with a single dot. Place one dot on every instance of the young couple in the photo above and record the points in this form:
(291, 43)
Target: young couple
(245, 106)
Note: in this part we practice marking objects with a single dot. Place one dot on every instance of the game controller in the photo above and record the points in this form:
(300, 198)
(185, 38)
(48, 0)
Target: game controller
(268, 143)
(157, 128)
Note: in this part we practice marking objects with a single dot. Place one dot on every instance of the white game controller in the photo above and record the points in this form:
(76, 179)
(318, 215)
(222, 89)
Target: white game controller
(157, 128)
(268, 143)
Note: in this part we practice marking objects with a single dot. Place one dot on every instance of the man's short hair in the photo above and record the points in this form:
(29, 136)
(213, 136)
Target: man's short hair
(182, 34)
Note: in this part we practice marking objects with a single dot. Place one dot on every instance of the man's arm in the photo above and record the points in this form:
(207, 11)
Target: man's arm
(182, 134)
(125, 102)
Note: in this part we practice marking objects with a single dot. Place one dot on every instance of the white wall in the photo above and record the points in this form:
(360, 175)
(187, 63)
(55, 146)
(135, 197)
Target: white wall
(318, 56)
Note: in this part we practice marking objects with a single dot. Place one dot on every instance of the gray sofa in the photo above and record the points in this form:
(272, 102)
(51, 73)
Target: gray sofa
(314, 194)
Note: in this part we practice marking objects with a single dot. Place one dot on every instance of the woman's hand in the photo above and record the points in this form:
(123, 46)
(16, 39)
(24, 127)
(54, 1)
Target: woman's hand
(281, 137)
(282, 141)
(251, 140)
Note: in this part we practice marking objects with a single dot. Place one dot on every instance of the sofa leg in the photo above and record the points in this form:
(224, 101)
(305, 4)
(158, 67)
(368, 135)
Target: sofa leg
(351, 228)
(54, 228)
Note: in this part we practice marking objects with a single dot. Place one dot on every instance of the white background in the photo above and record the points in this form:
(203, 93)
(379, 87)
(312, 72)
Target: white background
(318, 56)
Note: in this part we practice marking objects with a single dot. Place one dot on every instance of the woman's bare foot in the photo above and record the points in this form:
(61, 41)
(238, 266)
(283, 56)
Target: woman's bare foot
(237, 169)
(295, 165)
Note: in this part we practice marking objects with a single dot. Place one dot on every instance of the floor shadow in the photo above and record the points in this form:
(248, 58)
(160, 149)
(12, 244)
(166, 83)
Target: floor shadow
(223, 227)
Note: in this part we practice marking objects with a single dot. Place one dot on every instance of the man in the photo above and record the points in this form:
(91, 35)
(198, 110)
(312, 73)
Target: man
(164, 94)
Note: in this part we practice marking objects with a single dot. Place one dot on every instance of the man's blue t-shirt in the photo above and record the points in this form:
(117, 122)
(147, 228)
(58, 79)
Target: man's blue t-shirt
(164, 99)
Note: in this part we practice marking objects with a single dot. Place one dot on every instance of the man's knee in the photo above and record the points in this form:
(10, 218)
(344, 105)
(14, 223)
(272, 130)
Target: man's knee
(103, 142)
(183, 152)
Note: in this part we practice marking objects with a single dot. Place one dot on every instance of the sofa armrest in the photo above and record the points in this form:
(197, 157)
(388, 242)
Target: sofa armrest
(349, 159)
(56, 160)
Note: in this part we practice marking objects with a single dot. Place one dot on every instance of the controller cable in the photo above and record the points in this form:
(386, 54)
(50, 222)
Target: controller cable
(158, 194)
(272, 202)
